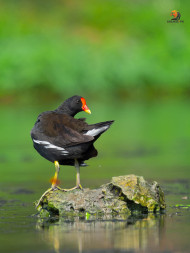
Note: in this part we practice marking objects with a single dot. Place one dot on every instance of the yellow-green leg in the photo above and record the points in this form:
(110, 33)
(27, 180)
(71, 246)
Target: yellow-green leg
(78, 185)
(54, 184)
(55, 180)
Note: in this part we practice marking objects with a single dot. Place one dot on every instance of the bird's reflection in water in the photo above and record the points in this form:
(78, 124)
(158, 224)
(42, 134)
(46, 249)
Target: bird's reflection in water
(135, 233)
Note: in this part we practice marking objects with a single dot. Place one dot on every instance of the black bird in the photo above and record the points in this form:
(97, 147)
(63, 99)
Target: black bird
(64, 140)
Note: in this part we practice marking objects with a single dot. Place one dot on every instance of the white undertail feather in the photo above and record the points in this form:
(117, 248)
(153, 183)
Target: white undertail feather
(49, 145)
(41, 142)
(96, 131)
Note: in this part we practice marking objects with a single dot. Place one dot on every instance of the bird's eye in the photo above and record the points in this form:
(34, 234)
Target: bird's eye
(78, 101)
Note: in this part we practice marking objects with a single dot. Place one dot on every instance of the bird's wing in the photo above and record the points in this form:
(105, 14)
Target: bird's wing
(97, 129)
(60, 129)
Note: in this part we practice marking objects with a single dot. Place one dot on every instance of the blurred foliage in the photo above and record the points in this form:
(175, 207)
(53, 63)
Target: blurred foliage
(101, 47)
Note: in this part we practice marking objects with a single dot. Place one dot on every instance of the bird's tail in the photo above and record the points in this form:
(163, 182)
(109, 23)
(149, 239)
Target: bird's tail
(98, 128)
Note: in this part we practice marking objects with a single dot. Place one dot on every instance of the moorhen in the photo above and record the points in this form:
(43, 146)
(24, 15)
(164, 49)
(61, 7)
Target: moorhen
(64, 140)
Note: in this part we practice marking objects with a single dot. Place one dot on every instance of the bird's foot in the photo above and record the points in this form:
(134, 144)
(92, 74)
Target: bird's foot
(79, 186)
(43, 197)
(59, 188)
(74, 188)
(53, 188)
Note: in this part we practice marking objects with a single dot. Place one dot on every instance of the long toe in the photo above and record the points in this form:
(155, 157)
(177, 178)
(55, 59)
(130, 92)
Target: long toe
(71, 189)
(43, 197)
(79, 186)
(60, 189)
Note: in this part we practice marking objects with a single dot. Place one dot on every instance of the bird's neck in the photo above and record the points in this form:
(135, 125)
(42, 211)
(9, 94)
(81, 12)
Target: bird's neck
(65, 110)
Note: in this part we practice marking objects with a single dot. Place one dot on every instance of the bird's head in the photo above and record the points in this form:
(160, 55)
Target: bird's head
(73, 105)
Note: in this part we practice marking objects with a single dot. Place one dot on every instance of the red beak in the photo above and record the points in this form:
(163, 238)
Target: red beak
(84, 106)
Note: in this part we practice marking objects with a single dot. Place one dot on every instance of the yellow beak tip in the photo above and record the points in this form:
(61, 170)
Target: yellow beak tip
(88, 111)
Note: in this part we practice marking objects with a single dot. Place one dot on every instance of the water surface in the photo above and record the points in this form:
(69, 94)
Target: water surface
(147, 139)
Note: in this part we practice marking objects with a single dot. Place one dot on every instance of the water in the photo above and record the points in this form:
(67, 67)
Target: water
(152, 140)
(22, 232)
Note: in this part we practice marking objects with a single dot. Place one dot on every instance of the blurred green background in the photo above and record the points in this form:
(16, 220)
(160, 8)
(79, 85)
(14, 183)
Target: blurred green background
(124, 58)
(113, 49)
(131, 66)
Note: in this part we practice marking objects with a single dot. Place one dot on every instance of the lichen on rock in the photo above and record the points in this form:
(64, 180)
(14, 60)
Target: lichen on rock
(123, 195)
(136, 189)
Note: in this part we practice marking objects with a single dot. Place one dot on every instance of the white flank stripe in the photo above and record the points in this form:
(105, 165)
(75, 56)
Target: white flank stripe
(41, 142)
(96, 131)
(53, 146)
(49, 145)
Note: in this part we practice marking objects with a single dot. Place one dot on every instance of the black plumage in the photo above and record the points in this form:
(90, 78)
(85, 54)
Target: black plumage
(59, 137)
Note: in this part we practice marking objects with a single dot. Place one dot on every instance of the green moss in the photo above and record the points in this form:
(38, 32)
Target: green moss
(44, 213)
(51, 205)
(87, 215)
(122, 198)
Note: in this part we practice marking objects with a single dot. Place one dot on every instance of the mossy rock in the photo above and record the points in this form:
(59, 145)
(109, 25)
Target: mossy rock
(136, 189)
(123, 195)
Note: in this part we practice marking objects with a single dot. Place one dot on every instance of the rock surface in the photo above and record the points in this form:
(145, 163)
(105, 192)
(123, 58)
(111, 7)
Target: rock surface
(123, 195)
